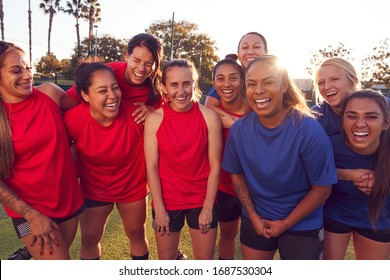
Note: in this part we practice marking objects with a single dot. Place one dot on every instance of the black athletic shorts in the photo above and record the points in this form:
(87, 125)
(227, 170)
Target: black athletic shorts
(177, 218)
(292, 245)
(376, 235)
(22, 227)
(229, 207)
(89, 203)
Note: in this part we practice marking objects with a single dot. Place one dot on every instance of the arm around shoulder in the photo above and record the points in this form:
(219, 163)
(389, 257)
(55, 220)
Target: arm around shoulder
(59, 96)
(212, 103)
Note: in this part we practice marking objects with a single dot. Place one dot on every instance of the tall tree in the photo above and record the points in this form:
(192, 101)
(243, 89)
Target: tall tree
(29, 31)
(318, 56)
(90, 11)
(74, 8)
(376, 67)
(50, 7)
(2, 20)
(189, 44)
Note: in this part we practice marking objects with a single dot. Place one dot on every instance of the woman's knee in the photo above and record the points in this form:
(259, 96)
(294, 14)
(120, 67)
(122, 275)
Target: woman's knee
(136, 234)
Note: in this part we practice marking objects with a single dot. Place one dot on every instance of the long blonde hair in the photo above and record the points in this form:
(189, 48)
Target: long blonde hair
(6, 149)
(346, 69)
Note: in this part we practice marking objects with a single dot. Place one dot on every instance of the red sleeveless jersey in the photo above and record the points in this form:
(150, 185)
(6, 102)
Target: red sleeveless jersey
(43, 174)
(183, 158)
(225, 184)
(110, 160)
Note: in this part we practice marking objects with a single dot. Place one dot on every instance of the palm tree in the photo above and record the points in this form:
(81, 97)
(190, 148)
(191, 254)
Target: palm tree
(74, 9)
(50, 7)
(2, 19)
(29, 31)
(90, 11)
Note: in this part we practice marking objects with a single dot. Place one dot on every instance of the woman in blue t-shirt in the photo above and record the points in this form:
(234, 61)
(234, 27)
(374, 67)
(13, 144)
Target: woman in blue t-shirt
(281, 164)
(335, 80)
(362, 213)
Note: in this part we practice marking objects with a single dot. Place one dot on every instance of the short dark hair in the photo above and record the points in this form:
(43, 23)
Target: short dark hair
(232, 62)
(257, 34)
(84, 73)
(232, 56)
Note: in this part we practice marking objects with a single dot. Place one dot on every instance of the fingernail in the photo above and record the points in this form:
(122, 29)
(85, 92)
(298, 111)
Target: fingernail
(41, 253)
(51, 252)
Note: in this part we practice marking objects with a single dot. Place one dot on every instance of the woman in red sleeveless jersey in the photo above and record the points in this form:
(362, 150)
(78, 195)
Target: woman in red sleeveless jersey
(183, 143)
(110, 160)
(229, 79)
(139, 76)
(38, 184)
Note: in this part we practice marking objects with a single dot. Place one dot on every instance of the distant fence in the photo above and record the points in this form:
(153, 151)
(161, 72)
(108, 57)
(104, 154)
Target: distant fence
(64, 84)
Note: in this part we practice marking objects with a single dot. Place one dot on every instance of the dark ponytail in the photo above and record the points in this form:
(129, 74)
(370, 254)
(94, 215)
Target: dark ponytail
(6, 149)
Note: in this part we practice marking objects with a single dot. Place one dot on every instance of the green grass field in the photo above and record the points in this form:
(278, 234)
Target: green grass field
(115, 245)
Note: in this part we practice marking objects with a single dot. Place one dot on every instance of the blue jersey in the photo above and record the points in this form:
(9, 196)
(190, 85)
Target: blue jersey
(347, 204)
(213, 93)
(329, 120)
(281, 165)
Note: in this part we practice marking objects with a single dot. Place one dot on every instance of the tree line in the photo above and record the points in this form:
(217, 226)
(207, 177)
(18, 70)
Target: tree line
(187, 43)
(375, 67)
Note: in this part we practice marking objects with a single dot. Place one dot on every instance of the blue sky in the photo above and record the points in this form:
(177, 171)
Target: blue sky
(293, 29)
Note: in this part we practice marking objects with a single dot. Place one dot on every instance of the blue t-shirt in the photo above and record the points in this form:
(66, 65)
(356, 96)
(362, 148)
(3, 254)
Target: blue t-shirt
(213, 93)
(329, 120)
(281, 165)
(347, 204)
